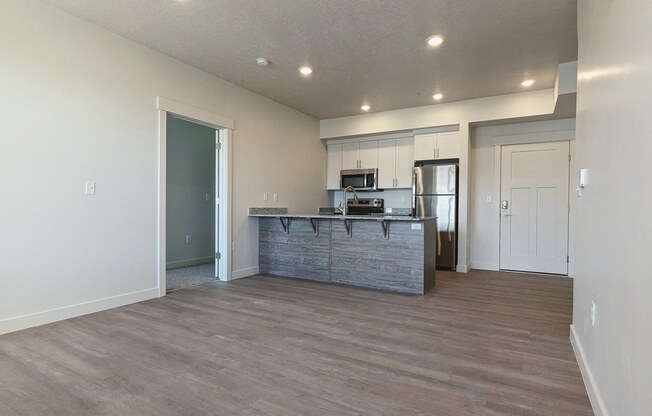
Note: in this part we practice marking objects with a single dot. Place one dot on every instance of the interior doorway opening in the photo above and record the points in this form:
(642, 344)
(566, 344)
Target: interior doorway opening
(192, 184)
(222, 130)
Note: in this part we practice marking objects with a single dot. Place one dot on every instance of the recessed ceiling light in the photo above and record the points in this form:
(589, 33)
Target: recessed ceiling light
(262, 61)
(435, 40)
(305, 70)
(527, 83)
(437, 97)
(365, 107)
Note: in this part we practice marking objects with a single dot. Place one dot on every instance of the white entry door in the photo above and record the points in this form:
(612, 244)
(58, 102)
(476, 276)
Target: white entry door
(534, 207)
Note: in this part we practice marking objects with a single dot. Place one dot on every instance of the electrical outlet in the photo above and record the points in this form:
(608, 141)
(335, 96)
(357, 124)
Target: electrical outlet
(89, 188)
(402, 198)
(593, 314)
(208, 197)
(275, 197)
(233, 246)
(265, 196)
(188, 239)
(489, 199)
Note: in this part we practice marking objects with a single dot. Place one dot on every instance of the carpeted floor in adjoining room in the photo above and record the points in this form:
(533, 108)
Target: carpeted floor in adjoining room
(190, 276)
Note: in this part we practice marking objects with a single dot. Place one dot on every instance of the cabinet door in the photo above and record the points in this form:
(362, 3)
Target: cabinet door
(448, 145)
(404, 162)
(386, 163)
(424, 146)
(350, 155)
(334, 166)
(369, 154)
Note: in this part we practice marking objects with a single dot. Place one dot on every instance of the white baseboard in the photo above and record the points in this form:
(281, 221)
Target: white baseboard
(463, 268)
(595, 398)
(249, 271)
(484, 266)
(58, 314)
(188, 263)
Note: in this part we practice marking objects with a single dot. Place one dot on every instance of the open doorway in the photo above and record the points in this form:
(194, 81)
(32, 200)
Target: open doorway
(191, 225)
(222, 130)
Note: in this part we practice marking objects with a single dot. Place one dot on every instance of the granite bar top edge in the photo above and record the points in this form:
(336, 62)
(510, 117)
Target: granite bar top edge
(267, 211)
(340, 217)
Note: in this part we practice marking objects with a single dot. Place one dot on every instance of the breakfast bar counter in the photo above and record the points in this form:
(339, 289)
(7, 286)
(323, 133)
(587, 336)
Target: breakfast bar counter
(388, 252)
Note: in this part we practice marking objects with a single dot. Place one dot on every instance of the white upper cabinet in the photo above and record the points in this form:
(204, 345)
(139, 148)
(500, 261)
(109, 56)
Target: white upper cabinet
(360, 155)
(395, 161)
(430, 146)
(334, 166)
(386, 163)
(368, 155)
(448, 145)
(350, 155)
(404, 162)
(425, 146)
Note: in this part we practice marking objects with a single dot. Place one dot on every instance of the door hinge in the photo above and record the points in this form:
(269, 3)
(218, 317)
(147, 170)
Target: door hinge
(567, 259)
(569, 158)
(218, 256)
(218, 146)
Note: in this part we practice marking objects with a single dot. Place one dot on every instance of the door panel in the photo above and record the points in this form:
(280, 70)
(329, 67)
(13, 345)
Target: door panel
(534, 226)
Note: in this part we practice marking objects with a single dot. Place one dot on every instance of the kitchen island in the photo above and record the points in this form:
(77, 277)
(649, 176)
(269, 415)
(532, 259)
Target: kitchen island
(393, 253)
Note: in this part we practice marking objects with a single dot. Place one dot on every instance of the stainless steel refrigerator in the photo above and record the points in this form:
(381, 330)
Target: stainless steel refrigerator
(434, 190)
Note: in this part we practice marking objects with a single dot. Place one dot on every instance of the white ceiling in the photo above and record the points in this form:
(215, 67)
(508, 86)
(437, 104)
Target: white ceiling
(361, 50)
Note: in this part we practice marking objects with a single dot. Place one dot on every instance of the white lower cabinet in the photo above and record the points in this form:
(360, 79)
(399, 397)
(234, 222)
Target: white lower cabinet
(395, 162)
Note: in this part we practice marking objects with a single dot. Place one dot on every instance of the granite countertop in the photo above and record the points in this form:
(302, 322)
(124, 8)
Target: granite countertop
(282, 213)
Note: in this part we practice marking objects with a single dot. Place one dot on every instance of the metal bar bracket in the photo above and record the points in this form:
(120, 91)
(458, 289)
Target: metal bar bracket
(285, 224)
(349, 227)
(315, 225)
(385, 225)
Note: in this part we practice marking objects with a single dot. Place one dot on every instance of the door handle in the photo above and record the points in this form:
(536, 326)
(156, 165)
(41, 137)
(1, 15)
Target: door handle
(506, 215)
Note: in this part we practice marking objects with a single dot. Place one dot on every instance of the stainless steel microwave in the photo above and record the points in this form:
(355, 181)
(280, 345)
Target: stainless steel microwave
(359, 179)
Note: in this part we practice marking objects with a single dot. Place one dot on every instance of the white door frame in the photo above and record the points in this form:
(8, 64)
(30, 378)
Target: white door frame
(225, 125)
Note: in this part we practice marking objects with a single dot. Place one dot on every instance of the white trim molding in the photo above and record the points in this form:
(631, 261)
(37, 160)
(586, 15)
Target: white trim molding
(249, 271)
(463, 268)
(595, 398)
(59, 314)
(541, 137)
(194, 114)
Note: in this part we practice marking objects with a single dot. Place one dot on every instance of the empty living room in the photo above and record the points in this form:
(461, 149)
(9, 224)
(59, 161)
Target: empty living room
(336, 207)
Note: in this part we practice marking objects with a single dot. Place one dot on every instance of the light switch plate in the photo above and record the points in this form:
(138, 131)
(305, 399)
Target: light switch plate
(90, 188)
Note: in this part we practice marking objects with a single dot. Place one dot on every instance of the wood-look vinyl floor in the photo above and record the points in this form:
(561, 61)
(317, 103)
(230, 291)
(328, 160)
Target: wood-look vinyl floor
(483, 343)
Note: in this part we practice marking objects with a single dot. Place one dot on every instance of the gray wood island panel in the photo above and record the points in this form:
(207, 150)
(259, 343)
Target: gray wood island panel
(391, 254)
(298, 253)
(368, 259)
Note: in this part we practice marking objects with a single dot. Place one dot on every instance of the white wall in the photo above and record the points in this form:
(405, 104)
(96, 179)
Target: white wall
(485, 181)
(614, 228)
(461, 113)
(79, 103)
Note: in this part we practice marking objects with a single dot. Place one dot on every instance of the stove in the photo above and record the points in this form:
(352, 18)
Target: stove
(365, 206)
